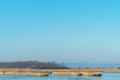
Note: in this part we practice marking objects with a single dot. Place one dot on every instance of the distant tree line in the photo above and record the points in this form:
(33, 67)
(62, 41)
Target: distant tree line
(32, 65)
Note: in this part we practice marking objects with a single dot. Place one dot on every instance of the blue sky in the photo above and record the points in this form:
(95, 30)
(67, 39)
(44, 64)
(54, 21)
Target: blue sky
(85, 31)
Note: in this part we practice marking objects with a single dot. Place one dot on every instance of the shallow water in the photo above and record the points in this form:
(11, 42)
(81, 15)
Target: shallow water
(85, 65)
(106, 76)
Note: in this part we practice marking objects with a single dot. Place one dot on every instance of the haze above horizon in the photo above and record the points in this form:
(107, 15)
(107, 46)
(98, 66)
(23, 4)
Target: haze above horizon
(85, 31)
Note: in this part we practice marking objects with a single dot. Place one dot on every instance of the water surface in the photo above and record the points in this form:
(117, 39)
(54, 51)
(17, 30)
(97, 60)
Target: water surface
(106, 76)
(90, 65)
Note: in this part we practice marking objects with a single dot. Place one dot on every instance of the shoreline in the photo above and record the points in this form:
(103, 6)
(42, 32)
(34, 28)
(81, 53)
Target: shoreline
(55, 72)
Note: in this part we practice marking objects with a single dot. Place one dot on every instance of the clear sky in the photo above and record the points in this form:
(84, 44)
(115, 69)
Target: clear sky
(86, 31)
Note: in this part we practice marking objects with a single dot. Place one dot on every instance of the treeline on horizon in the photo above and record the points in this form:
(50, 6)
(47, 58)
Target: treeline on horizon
(32, 65)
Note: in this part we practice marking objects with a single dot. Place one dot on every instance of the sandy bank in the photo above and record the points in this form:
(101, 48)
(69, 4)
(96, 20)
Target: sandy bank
(46, 72)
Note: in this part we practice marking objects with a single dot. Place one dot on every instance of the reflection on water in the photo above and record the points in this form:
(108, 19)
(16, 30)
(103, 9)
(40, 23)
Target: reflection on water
(106, 76)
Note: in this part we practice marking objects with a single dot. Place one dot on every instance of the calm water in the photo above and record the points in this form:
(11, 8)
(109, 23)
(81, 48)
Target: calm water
(106, 76)
(85, 65)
